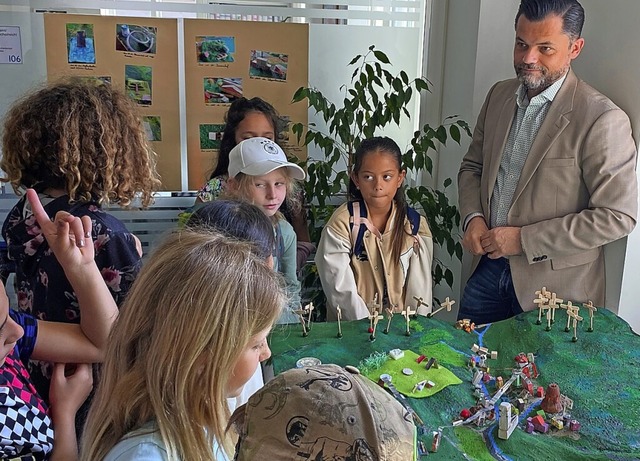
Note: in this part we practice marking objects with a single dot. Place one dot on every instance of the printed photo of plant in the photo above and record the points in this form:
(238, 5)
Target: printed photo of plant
(215, 49)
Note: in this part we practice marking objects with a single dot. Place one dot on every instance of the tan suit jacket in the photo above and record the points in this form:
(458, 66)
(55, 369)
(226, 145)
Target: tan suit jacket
(577, 191)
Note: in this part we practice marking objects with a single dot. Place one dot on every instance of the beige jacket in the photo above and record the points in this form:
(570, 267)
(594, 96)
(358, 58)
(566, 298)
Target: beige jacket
(352, 284)
(577, 190)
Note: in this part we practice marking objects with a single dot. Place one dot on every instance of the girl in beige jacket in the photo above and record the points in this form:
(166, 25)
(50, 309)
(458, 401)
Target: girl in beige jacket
(376, 244)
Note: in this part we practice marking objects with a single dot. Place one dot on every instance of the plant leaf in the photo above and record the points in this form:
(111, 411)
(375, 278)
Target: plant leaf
(380, 56)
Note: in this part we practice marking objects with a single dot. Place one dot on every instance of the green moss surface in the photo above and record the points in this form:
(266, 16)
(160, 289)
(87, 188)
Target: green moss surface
(600, 372)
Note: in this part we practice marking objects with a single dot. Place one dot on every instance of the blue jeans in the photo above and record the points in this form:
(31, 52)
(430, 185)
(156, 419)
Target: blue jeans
(489, 295)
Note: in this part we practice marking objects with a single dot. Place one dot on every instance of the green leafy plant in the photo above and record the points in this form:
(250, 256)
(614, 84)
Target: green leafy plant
(374, 99)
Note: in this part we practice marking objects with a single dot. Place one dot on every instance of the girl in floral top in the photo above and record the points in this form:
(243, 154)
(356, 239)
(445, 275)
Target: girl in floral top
(79, 145)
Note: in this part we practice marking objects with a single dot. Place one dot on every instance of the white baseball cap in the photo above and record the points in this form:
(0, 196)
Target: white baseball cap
(260, 156)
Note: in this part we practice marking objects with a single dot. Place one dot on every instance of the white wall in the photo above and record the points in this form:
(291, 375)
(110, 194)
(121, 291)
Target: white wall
(473, 56)
(611, 63)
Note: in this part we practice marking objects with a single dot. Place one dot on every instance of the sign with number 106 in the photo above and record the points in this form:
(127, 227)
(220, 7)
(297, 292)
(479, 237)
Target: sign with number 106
(10, 45)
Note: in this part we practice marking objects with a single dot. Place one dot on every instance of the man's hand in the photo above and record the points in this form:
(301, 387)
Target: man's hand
(501, 241)
(476, 228)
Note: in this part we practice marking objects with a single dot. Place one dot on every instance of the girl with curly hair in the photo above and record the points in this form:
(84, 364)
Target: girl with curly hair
(79, 145)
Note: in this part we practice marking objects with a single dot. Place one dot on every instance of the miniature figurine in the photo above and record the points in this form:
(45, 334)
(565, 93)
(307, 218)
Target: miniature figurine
(407, 315)
(466, 325)
(339, 316)
(435, 443)
(309, 308)
(543, 305)
(376, 319)
(554, 303)
(373, 307)
(445, 305)
(419, 303)
(300, 313)
(389, 317)
(592, 309)
(572, 313)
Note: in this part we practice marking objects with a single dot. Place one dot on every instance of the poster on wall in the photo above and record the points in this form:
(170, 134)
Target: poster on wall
(140, 56)
(10, 45)
(228, 60)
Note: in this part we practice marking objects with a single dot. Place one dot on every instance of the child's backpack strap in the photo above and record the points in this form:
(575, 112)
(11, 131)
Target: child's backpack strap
(359, 224)
(414, 220)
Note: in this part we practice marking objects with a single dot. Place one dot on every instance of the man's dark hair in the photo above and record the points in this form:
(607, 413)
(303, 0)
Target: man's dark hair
(570, 11)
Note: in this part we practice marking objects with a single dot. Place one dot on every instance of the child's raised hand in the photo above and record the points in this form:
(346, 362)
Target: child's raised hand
(68, 236)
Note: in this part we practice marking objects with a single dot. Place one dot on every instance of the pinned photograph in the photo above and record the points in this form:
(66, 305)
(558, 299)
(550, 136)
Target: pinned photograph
(138, 82)
(222, 90)
(210, 136)
(80, 44)
(266, 64)
(215, 49)
(103, 80)
(284, 133)
(152, 127)
(136, 39)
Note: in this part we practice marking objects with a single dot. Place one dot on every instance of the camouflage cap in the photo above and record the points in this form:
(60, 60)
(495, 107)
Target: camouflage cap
(324, 412)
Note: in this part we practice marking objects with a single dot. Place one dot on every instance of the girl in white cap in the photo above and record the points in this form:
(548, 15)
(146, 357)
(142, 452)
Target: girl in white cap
(260, 173)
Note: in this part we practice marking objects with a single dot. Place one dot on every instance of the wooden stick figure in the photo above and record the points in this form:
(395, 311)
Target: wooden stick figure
(573, 313)
(407, 315)
(300, 313)
(543, 302)
(592, 309)
(339, 315)
(389, 317)
(376, 319)
(569, 307)
(445, 305)
(373, 307)
(309, 307)
(554, 302)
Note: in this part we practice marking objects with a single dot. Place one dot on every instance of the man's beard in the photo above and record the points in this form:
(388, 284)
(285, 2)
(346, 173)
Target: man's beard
(538, 82)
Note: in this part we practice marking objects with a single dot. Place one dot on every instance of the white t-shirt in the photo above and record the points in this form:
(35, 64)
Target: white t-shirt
(145, 444)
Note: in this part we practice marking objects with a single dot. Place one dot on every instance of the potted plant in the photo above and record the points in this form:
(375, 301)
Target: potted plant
(374, 99)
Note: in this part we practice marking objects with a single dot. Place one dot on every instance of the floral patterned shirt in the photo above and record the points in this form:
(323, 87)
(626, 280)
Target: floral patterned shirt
(41, 286)
(212, 189)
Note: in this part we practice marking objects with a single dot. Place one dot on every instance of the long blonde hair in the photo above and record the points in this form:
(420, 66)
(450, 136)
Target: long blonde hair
(191, 312)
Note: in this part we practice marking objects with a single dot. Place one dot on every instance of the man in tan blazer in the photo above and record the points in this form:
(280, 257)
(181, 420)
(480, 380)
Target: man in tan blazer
(549, 177)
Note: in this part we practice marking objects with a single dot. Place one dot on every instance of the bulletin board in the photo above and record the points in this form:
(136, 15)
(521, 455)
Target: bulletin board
(139, 55)
(225, 60)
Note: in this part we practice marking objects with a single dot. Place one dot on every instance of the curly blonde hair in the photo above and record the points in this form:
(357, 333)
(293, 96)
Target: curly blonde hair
(83, 138)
